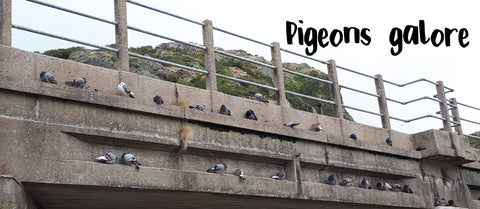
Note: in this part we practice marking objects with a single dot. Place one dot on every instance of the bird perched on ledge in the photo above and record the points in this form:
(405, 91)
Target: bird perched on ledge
(78, 82)
(240, 174)
(47, 77)
(200, 107)
(331, 180)
(219, 168)
(311, 109)
(316, 127)
(260, 97)
(291, 124)
(130, 160)
(122, 87)
(250, 115)
(108, 158)
(280, 175)
(224, 110)
(158, 99)
(389, 141)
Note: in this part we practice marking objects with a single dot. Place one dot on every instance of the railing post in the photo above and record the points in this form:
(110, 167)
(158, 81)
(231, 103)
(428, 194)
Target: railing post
(456, 116)
(278, 74)
(332, 76)
(447, 126)
(209, 55)
(382, 102)
(6, 22)
(121, 35)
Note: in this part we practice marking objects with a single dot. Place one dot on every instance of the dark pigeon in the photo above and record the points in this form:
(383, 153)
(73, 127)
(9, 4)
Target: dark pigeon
(407, 189)
(78, 82)
(260, 97)
(380, 185)
(224, 110)
(364, 184)
(311, 109)
(280, 175)
(331, 180)
(353, 136)
(130, 160)
(396, 188)
(158, 99)
(346, 182)
(250, 115)
(200, 107)
(47, 77)
(450, 203)
(291, 124)
(108, 158)
(388, 141)
(219, 168)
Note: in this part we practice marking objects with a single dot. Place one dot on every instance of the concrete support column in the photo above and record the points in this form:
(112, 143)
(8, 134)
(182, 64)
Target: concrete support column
(382, 102)
(456, 116)
(209, 55)
(6, 22)
(293, 171)
(447, 126)
(336, 97)
(12, 194)
(121, 35)
(278, 74)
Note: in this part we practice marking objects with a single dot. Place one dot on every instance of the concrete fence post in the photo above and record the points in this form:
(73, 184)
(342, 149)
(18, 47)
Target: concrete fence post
(209, 55)
(382, 102)
(336, 97)
(6, 22)
(121, 35)
(456, 116)
(447, 126)
(278, 74)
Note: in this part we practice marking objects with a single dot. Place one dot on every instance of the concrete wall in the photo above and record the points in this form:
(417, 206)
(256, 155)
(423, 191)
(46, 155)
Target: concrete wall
(53, 133)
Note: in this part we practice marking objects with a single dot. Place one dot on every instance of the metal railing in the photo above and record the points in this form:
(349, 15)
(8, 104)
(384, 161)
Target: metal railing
(439, 97)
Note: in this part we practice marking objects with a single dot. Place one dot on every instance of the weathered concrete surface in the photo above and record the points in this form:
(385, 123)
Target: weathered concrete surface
(53, 133)
(13, 195)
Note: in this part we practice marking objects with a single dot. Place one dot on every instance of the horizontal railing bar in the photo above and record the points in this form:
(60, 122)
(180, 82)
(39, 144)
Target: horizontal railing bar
(73, 12)
(365, 111)
(64, 38)
(310, 97)
(415, 81)
(476, 108)
(307, 76)
(414, 100)
(167, 63)
(353, 71)
(356, 90)
(240, 36)
(244, 59)
(165, 37)
(164, 12)
(475, 137)
(417, 118)
(304, 56)
(470, 121)
(247, 82)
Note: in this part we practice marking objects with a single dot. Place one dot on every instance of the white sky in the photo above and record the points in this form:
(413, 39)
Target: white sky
(265, 21)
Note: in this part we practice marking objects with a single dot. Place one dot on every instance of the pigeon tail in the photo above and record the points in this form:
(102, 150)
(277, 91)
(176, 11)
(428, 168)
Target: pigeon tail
(131, 95)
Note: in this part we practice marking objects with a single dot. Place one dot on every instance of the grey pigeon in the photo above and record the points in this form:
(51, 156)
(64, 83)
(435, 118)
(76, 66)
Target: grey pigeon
(219, 168)
(240, 174)
(158, 100)
(437, 201)
(450, 203)
(389, 141)
(311, 109)
(346, 182)
(407, 189)
(260, 97)
(130, 160)
(316, 127)
(396, 188)
(47, 77)
(291, 124)
(78, 82)
(331, 180)
(380, 185)
(250, 115)
(224, 110)
(108, 158)
(320, 107)
(200, 107)
(353, 136)
(280, 175)
(122, 87)
(364, 184)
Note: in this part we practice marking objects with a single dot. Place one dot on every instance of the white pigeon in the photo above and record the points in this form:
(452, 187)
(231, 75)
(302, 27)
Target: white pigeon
(260, 97)
(108, 158)
(122, 87)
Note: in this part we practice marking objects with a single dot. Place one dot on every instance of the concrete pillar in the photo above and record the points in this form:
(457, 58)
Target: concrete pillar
(6, 22)
(447, 126)
(278, 74)
(209, 55)
(382, 102)
(12, 194)
(456, 116)
(336, 97)
(121, 35)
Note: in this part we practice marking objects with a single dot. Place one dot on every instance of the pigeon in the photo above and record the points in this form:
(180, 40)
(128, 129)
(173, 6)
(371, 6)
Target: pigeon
(224, 110)
(407, 189)
(122, 87)
(200, 107)
(346, 182)
(320, 107)
(108, 158)
(396, 188)
(291, 124)
(437, 201)
(450, 203)
(364, 184)
(260, 97)
(353, 136)
(78, 82)
(47, 77)
(387, 186)
(130, 159)
(250, 115)
(158, 99)
(240, 174)
(380, 185)
(389, 141)
(280, 175)
(219, 168)
(311, 109)
(331, 180)
(316, 127)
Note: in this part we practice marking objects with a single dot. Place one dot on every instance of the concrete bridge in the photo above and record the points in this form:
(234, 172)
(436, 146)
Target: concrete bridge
(51, 135)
